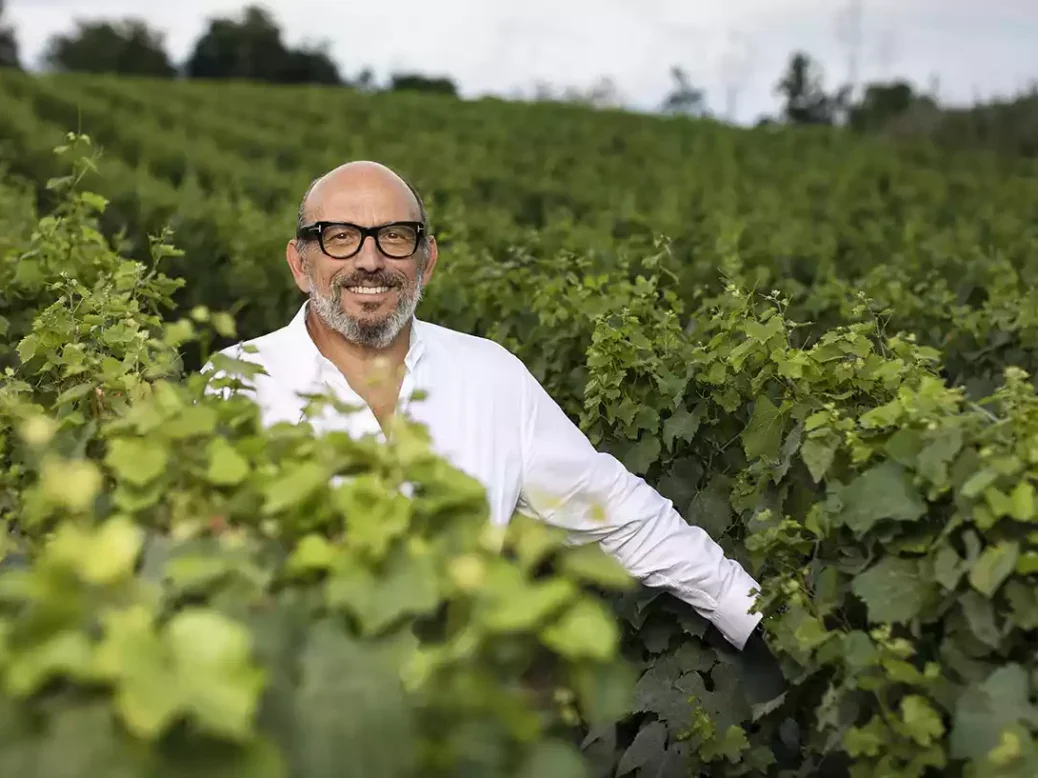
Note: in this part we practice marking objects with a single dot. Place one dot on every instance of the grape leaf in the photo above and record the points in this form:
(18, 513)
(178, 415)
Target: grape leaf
(763, 435)
(882, 492)
(984, 710)
(349, 698)
(993, 567)
(650, 740)
(893, 590)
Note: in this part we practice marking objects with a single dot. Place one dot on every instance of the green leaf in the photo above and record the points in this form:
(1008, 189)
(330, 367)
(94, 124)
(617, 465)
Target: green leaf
(643, 454)
(980, 615)
(349, 700)
(112, 552)
(682, 425)
(605, 690)
(948, 567)
(589, 563)
(1022, 502)
(818, 456)
(79, 741)
(137, 462)
(904, 447)
(148, 692)
(375, 514)
(407, 586)
(987, 709)
(933, 460)
(293, 485)
(650, 740)
(218, 682)
(587, 630)
(894, 590)
(65, 654)
(553, 759)
(226, 466)
(883, 492)
(763, 435)
(922, 723)
(994, 566)
(527, 605)
(95, 201)
(74, 393)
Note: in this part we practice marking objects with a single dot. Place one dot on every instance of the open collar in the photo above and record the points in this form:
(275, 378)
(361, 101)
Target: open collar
(305, 361)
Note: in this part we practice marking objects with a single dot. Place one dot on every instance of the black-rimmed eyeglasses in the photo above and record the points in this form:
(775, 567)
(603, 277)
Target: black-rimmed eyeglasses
(342, 240)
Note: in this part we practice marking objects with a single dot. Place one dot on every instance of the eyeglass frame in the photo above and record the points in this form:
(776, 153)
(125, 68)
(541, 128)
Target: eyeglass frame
(316, 230)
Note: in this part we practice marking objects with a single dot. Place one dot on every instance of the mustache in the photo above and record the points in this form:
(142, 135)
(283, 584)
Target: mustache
(378, 278)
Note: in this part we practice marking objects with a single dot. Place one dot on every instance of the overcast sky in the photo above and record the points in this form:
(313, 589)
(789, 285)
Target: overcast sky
(974, 48)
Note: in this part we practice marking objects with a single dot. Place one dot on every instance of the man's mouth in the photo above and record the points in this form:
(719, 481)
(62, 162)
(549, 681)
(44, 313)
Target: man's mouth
(368, 289)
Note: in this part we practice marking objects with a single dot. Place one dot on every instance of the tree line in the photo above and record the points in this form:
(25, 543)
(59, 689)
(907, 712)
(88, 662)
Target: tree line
(251, 47)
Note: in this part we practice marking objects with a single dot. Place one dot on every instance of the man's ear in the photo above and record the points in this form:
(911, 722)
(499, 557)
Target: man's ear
(432, 254)
(297, 264)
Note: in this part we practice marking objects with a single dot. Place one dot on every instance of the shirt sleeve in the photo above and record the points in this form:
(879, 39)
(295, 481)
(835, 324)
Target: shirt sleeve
(567, 483)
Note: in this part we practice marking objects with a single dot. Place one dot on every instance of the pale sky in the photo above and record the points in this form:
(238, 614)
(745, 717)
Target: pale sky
(974, 48)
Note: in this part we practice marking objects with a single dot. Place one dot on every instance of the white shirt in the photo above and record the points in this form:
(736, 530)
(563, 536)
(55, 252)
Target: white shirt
(489, 417)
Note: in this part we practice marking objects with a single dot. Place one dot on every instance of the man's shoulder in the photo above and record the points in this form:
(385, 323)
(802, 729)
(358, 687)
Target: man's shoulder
(471, 351)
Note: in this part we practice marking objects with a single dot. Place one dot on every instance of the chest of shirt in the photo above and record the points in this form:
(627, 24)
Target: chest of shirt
(475, 430)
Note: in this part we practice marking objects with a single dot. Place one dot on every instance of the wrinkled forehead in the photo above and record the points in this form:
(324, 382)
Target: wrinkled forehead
(369, 200)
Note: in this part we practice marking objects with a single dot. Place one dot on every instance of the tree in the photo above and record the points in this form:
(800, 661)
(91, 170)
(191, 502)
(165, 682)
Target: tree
(126, 46)
(416, 82)
(806, 101)
(883, 103)
(251, 48)
(8, 44)
(309, 66)
(685, 99)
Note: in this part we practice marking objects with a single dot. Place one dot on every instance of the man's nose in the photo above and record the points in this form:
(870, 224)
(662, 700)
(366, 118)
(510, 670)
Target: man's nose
(369, 257)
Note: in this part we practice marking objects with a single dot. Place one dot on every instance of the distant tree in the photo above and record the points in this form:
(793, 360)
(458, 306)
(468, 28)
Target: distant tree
(126, 46)
(247, 49)
(806, 101)
(310, 66)
(882, 103)
(685, 98)
(8, 44)
(416, 82)
(365, 80)
(251, 48)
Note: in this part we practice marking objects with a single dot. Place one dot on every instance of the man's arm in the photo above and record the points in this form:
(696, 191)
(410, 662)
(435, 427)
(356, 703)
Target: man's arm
(567, 483)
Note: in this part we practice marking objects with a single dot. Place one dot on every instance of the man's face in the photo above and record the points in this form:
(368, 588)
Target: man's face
(368, 298)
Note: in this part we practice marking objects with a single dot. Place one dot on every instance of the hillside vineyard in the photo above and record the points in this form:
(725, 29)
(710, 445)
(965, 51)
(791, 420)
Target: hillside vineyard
(822, 348)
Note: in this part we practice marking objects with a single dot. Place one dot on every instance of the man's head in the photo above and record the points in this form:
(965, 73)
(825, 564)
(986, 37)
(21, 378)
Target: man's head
(367, 295)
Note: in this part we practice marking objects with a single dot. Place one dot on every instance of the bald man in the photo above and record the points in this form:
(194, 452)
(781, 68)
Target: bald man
(362, 254)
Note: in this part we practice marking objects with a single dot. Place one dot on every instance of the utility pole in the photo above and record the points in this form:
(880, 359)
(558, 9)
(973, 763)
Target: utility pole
(849, 31)
(736, 64)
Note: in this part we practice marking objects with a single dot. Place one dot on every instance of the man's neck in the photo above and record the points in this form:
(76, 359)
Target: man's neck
(359, 364)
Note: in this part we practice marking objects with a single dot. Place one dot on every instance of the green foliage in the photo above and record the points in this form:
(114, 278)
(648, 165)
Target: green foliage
(186, 590)
(861, 437)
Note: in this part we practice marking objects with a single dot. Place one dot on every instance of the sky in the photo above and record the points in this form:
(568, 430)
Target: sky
(734, 49)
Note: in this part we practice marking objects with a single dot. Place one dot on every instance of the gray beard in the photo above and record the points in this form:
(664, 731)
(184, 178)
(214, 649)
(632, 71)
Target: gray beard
(375, 334)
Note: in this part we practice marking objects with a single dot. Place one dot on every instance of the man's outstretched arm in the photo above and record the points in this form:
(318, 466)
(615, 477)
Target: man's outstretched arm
(567, 483)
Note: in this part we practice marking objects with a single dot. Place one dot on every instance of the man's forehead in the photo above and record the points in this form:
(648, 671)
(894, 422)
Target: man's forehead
(360, 184)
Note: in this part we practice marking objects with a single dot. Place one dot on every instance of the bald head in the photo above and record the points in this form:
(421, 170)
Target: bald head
(359, 177)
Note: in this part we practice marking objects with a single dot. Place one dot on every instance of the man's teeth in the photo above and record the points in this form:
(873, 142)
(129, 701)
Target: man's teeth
(368, 289)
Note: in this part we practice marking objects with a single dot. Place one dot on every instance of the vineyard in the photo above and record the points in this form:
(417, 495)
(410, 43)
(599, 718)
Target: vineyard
(821, 348)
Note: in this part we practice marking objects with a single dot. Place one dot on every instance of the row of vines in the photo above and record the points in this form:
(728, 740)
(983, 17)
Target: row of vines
(823, 350)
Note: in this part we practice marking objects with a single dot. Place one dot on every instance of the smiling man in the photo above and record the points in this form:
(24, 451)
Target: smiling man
(362, 253)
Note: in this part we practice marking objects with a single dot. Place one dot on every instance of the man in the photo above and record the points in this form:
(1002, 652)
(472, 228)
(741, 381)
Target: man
(363, 254)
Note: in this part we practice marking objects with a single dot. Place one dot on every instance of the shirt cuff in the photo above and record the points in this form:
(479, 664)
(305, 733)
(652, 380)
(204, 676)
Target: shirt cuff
(732, 617)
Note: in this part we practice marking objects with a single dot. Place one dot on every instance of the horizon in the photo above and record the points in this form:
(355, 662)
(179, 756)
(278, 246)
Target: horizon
(741, 49)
